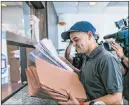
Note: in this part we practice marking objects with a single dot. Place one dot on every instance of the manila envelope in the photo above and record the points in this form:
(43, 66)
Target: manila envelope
(35, 88)
(59, 79)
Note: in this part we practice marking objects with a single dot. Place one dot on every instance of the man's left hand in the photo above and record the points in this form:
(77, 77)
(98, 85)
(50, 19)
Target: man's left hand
(71, 101)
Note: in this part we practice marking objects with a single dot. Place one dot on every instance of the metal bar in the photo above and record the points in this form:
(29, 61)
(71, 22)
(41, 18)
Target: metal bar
(19, 44)
(19, 40)
(46, 18)
(9, 96)
(23, 63)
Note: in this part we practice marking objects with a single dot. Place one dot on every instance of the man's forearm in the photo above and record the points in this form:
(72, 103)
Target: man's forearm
(74, 68)
(68, 50)
(70, 65)
(109, 99)
(126, 61)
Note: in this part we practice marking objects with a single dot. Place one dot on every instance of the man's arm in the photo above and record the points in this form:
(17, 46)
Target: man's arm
(67, 53)
(120, 53)
(112, 80)
(115, 98)
(69, 64)
(125, 61)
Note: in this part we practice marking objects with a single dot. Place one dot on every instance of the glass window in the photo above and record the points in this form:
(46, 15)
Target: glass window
(15, 19)
(23, 20)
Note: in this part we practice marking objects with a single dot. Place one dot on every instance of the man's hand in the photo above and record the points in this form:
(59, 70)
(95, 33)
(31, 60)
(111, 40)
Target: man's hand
(120, 53)
(118, 49)
(71, 101)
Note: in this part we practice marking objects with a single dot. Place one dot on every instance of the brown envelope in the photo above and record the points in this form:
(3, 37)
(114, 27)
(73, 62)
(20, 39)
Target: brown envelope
(34, 86)
(36, 90)
(58, 79)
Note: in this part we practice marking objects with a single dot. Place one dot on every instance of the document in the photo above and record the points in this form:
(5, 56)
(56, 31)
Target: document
(45, 50)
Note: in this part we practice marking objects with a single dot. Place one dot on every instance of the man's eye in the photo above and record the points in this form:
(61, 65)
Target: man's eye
(76, 40)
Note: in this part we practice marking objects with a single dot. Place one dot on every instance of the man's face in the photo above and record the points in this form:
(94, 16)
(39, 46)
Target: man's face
(80, 41)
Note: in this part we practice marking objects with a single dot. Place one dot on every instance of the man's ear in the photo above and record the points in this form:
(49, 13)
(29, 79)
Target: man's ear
(89, 35)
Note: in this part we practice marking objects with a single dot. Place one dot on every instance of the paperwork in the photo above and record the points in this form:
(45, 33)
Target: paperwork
(45, 50)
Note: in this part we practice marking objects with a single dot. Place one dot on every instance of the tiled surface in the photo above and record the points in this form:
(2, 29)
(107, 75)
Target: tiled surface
(7, 89)
(22, 97)
(125, 102)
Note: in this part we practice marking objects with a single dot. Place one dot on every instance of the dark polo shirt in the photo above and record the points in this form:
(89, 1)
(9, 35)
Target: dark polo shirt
(100, 74)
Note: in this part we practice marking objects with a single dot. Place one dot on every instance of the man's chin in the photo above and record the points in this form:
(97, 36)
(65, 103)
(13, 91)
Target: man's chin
(79, 51)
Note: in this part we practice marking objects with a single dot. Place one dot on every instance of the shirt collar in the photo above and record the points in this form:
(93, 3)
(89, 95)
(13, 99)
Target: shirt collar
(96, 51)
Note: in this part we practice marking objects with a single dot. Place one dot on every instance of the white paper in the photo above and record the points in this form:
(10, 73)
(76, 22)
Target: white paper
(46, 50)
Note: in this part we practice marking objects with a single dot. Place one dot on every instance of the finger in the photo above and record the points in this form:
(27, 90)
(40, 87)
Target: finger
(71, 97)
(114, 48)
(63, 103)
(113, 44)
(116, 44)
(62, 57)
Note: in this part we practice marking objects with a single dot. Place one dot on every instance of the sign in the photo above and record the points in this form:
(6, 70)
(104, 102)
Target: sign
(4, 68)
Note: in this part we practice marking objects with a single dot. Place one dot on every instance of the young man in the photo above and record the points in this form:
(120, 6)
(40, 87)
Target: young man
(100, 73)
(125, 61)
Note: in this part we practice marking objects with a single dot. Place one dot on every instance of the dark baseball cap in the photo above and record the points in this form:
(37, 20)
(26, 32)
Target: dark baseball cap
(81, 26)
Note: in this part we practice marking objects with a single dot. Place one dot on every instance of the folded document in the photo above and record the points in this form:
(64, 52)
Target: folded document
(45, 50)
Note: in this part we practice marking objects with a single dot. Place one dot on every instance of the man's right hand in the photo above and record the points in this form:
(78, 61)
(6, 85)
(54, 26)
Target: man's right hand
(120, 53)
(118, 49)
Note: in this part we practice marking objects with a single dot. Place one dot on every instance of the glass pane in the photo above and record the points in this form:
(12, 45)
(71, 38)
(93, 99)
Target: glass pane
(11, 78)
(20, 19)
(13, 18)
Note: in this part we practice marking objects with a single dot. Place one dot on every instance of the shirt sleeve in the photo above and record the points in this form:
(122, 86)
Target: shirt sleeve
(111, 75)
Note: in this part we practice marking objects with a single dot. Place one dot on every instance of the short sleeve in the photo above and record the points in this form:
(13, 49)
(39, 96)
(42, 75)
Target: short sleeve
(111, 75)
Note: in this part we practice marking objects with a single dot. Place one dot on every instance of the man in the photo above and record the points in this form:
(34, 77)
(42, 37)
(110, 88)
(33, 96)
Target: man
(100, 73)
(125, 61)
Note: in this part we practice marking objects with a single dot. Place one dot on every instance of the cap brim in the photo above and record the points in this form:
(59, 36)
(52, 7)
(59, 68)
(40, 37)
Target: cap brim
(66, 35)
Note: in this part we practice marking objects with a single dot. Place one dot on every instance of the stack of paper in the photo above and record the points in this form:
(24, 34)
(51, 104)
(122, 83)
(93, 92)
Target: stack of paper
(46, 50)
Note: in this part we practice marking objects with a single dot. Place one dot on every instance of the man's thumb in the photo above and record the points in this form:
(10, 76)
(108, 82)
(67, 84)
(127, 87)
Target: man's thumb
(70, 95)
